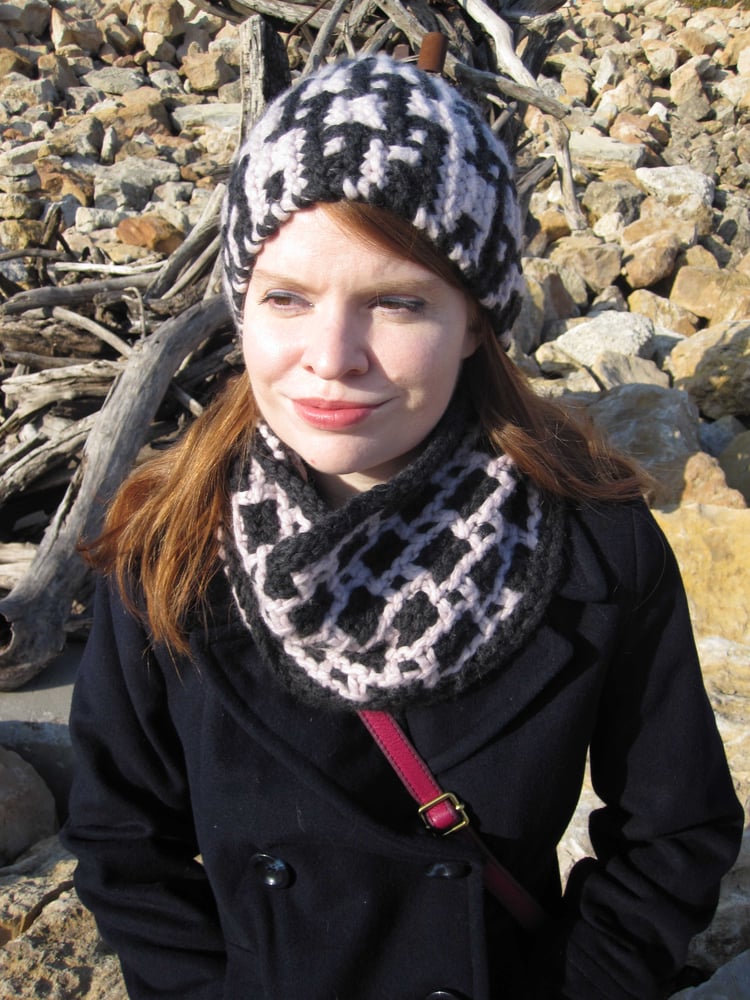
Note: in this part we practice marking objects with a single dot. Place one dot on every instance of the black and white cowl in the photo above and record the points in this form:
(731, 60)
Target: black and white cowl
(410, 592)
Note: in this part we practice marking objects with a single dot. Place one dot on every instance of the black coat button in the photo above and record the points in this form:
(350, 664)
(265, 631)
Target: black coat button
(448, 869)
(443, 995)
(272, 871)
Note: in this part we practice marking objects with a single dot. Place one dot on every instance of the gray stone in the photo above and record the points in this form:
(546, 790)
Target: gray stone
(611, 369)
(677, 184)
(128, 184)
(599, 151)
(115, 80)
(27, 808)
(31, 17)
(715, 435)
(623, 333)
(657, 427)
(730, 982)
(618, 196)
(192, 117)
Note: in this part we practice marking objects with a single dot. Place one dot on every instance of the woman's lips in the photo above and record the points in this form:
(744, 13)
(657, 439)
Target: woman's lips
(331, 414)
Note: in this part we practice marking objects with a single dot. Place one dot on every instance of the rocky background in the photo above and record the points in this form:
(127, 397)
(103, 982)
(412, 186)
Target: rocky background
(117, 123)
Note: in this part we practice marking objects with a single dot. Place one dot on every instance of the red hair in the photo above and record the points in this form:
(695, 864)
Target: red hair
(162, 527)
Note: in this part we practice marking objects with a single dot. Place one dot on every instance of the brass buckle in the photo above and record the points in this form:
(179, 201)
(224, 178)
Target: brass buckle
(461, 822)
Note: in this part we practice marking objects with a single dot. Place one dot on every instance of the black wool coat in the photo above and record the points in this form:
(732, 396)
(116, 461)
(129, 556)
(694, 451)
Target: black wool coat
(237, 844)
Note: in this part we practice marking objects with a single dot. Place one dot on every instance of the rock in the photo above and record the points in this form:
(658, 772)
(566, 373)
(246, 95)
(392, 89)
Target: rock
(621, 196)
(150, 231)
(115, 80)
(56, 951)
(18, 93)
(82, 32)
(704, 482)
(30, 17)
(732, 982)
(597, 152)
(714, 367)
(611, 369)
(623, 333)
(712, 545)
(735, 462)
(663, 312)
(128, 184)
(662, 56)
(596, 262)
(715, 295)
(656, 426)
(716, 435)
(650, 260)
(27, 808)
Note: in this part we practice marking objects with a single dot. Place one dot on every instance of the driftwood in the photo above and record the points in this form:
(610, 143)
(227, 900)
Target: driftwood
(158, 334)
(36, 611)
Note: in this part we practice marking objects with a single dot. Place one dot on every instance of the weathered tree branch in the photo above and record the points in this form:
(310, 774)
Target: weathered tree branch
(36, 610)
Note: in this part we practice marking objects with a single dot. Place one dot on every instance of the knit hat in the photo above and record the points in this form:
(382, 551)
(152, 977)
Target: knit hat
(382, 132)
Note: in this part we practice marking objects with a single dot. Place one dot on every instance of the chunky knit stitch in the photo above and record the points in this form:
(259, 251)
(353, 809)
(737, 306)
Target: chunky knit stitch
(378, 131)
(412, 590)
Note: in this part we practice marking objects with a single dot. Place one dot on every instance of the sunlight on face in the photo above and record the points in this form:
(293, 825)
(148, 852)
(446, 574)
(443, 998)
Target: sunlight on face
(353, 353)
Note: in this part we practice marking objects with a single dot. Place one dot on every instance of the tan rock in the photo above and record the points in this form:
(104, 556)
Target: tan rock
(150, 231)
(60, 956)
(737, 44)
(650, 260)
(713, 366)
(704, 482)
(58, 70)
(662, 56)
(735, 461)
(686, 92)
(696, 42)
(576, 84)
(123, 38)
(699, 256)
(644, 129)
(634, 93)
(206, 71)
(715, 295)
(656, 217)
(18, 206)
(79, 31)
(166, 18)
(712, 546)
(18, 234)
(27, 808)
(14, 62)
(553, 224)
(36, 877)
(596, 262)
(139, 111)
(58, 180)
(565, 290)
(663, 312)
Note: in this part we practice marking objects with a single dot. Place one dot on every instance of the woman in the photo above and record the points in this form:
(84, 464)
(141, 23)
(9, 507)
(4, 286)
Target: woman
(379, 515)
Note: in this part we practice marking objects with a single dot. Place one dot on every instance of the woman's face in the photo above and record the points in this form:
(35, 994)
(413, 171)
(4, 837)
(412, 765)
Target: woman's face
(352, 352)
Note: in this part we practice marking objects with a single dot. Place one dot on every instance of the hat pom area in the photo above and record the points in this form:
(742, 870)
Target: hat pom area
(383, 132)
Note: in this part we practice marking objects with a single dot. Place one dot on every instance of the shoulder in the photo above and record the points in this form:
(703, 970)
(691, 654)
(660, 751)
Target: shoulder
(619, 544)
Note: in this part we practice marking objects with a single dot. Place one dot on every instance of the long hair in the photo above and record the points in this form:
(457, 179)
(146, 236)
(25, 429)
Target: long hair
(162, 527)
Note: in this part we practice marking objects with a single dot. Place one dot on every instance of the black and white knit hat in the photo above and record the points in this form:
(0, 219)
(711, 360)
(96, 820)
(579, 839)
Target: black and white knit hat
(383, 132)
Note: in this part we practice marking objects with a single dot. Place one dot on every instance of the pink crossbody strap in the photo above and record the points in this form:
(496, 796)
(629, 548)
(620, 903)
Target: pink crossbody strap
(444, 813)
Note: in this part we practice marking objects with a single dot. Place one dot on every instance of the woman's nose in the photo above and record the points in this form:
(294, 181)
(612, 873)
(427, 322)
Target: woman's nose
(336, 344)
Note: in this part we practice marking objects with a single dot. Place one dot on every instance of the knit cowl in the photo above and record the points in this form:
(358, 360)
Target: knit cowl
(412, 590)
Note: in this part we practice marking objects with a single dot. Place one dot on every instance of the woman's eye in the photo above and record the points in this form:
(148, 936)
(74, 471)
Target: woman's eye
(283, 300)
(399, 304)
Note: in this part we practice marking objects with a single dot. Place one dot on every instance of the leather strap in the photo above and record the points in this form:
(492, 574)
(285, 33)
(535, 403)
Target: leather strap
(445, 814)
